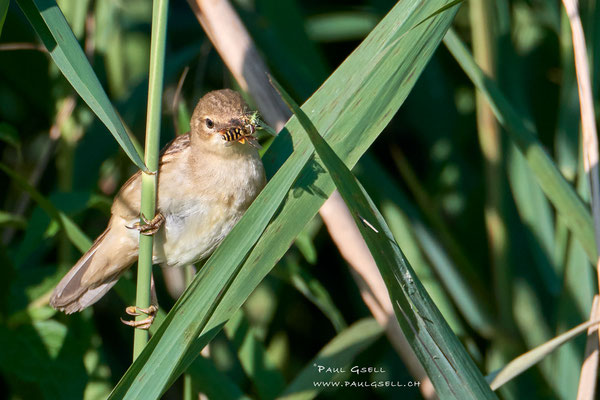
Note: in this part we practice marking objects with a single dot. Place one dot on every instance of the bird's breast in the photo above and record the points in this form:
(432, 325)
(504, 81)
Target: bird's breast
(199, 214)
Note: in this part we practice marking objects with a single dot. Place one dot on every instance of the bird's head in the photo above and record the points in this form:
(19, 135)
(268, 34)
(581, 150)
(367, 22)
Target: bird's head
(222, 121)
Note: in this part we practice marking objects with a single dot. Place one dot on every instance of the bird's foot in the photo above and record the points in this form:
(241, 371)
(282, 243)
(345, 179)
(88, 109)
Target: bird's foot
(148, 228)
(144, 323)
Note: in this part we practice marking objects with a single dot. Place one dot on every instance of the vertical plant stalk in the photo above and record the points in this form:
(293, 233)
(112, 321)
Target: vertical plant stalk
(189, 272)
(588, 120)
(149, 180)
(589, 369)
(484, 52)
(188, 393)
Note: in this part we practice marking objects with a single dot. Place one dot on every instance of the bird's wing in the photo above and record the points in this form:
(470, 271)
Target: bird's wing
(174, 147)
(127, 201)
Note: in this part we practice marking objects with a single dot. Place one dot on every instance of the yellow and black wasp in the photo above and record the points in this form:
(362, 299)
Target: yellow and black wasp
(240, 134)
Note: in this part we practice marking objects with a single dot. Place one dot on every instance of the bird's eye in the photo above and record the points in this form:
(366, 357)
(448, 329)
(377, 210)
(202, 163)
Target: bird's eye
(209, 123)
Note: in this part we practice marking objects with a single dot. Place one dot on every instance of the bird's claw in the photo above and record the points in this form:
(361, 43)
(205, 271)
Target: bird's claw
(135, 310)
(144, 323)
(150, 227)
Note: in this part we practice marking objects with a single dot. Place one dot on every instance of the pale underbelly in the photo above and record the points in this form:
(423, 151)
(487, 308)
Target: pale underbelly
(185, 239)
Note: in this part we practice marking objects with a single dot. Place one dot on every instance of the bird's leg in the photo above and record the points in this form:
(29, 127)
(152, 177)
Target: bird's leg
(149, 228)
(150, 311)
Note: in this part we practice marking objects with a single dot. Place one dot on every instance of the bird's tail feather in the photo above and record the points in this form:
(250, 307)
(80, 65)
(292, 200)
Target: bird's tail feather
(71, 295)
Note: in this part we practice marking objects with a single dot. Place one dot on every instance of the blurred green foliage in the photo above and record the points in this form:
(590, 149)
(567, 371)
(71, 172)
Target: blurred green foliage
(425, 173)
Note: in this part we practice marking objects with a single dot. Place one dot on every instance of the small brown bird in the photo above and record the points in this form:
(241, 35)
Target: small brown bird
(206, 181)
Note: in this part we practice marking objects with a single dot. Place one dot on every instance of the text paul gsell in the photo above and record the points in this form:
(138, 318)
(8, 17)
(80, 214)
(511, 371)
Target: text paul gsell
(355, 369)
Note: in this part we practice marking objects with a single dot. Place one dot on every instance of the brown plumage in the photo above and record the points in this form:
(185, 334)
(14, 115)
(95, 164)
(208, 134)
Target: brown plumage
(205, 184)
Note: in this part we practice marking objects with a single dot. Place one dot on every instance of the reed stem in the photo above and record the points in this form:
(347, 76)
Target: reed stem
(149, 180)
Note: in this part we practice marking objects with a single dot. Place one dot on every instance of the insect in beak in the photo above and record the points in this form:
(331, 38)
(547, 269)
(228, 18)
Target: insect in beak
(241, 134)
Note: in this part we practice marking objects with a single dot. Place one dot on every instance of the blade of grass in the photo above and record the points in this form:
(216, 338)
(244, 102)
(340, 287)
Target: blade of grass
(150, 180)
(49, 23)
(554, 185)
(532, 357)
(352, 107)
(338, 353)
(452, 372)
